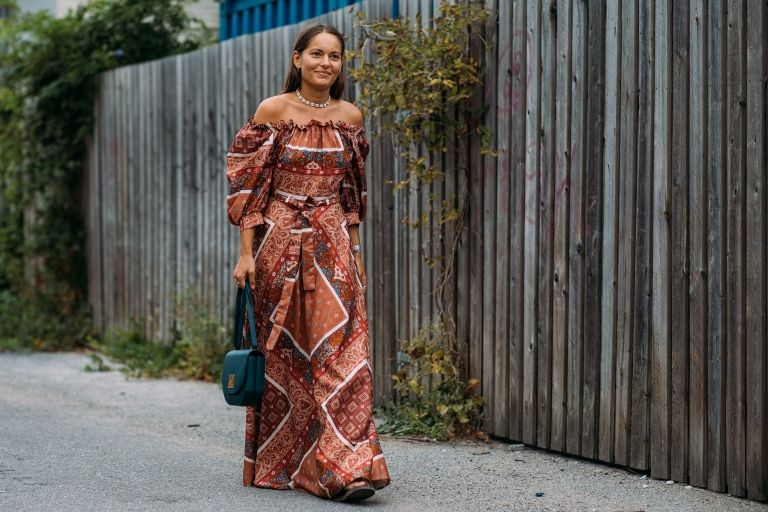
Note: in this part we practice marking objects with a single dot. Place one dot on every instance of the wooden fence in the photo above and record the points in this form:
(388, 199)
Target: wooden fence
(610, 286)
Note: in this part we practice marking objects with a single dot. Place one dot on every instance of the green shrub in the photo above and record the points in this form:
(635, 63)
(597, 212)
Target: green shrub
(196, 350)
(98, 365)
(139, 355)
(432, 398)
(48, 70)
(33, 322)
(202, 340)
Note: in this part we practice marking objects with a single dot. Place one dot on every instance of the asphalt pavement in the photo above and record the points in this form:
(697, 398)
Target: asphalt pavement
(71, 440)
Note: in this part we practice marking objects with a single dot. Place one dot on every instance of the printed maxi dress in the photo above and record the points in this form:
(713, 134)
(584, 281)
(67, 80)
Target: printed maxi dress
(302, 186)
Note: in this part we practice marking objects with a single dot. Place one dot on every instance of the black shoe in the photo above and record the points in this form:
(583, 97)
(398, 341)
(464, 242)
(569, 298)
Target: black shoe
(357, 493)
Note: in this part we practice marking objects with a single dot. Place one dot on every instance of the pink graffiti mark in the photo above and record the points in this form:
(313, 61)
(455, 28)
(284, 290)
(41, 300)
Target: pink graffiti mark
(512, 96)
(503, 176)
(561, 188)
(509, 101)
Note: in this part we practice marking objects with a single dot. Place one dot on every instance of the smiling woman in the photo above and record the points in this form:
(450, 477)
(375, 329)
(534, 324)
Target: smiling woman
(296, 171)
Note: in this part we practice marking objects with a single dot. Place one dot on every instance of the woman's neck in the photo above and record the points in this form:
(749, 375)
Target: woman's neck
(314, 95)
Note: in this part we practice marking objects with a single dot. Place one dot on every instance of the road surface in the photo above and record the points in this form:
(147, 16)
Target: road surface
(79, 441)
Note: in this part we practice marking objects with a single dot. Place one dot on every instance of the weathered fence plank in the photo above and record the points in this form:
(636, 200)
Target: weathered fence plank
(557, 230)
(660, 306)
(735, 254)
(697, 248)
(531, 258)
(626, 213)
(640, 384)
(592, 144)
(577, 188)
(678, 262)
(504, 250)
(716, 189)
(755, 267)
(491, 259)
(609, 247)
(546, 179)
(515, 94)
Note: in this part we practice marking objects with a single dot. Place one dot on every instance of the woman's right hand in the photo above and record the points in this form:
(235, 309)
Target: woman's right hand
(246, 267)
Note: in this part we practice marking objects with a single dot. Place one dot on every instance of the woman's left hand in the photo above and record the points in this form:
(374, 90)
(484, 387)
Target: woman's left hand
(361, 270)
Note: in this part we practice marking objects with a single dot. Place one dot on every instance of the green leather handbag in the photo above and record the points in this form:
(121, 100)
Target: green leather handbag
(242, 379)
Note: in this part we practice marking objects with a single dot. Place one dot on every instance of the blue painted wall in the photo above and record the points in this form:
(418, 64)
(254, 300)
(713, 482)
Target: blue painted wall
(240, 17)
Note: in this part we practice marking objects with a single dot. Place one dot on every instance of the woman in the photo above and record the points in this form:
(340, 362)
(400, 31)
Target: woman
(296, 171)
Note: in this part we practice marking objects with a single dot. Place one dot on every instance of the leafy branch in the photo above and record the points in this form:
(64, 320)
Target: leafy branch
(48, 69)
(420, 82)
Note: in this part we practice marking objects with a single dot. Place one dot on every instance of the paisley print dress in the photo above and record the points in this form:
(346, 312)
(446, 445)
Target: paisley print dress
(302, 186)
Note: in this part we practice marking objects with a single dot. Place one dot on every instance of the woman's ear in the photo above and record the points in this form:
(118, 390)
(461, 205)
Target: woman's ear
(296, 59)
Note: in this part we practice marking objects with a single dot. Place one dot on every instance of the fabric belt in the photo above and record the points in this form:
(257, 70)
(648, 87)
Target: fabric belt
(301, 250)
(299, 200)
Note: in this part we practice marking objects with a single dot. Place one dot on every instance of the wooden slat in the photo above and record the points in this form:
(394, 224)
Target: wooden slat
(123, 222)
(592, 144)
(163, 303)
(609, 248)
(678, 262)
(107, 213)
(475, 238)
(697, 249)
(157, 303)
(735, 321)
(577, 154)
(515, 94)
(640, 385)
(503, 250)
(150, 217)
(390, 293)
(425, 243)
(756, 241)
(530, 279)
(561, 175)
(180, 178)
(546, 178)
(435, 229)
(660, 306)
(217, 145)
(488, 280)
(463, 283)
(716, 199)
(412, 238)
(626, 209)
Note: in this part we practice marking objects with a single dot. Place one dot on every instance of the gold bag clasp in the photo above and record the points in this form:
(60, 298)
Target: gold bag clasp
(231, 381)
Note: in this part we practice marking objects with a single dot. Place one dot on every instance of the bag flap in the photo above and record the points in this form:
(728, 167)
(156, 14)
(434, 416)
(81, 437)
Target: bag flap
(234, 372)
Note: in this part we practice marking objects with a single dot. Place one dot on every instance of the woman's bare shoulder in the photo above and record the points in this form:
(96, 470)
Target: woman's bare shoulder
(271, 109)
(350, 113)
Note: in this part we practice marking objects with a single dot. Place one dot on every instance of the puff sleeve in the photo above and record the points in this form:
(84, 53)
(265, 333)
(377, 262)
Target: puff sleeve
(353, 186)
(250, 162)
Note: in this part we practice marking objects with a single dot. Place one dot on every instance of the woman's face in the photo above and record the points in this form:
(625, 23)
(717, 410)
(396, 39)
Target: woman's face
(321, 61)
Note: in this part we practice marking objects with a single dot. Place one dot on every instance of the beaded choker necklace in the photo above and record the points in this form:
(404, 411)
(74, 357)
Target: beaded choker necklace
(312, 103)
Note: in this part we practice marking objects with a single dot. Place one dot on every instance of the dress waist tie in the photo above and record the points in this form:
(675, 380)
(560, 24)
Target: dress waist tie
(301, 250)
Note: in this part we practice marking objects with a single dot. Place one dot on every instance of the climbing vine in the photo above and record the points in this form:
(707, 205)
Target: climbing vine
(420, 84)
(47, 88)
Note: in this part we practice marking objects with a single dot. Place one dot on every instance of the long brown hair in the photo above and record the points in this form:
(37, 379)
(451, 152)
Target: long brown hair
(293, 77)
